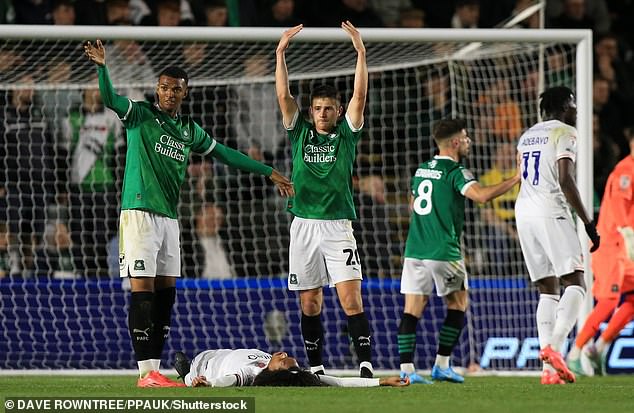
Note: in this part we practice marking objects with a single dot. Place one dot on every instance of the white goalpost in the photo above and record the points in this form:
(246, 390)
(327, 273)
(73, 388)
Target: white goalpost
(63, 305)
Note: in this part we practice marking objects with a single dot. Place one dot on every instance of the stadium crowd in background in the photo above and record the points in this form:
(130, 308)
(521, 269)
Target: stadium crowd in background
(218, 108)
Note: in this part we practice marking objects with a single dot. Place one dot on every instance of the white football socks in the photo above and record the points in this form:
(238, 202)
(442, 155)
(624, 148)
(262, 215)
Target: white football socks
(145, 366)
(408, 368)
(546, 316)
(156, 364)
(318, 369)
(601, 345)
(567, 313)
(442, 361)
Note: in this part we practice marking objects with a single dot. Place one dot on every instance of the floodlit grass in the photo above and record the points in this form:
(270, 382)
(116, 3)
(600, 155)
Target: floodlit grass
(477, 394)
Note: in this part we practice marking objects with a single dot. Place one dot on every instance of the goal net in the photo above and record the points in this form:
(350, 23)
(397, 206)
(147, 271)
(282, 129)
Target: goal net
(62, 154)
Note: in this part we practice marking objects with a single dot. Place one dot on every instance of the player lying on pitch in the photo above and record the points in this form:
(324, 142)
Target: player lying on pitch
(253, 367)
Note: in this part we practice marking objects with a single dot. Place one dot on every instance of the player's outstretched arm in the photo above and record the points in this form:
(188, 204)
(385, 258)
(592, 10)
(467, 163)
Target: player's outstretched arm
(357, 103)
(97, 54)
(362, 382)
(482, 194)
(241, 161)
(287, 103)
(569, 188)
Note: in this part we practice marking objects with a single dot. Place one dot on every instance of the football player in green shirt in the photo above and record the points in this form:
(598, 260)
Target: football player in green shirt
(323, 250)
(432, 251)
(159, 141)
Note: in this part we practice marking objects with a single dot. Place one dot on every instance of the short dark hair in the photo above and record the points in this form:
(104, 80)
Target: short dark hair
(175, 72)
(325, 91)
(554, 100)
(446, 128)
(293, 377)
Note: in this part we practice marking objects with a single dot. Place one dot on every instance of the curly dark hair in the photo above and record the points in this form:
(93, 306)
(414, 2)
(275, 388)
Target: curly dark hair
(294, 377)
(555, 100)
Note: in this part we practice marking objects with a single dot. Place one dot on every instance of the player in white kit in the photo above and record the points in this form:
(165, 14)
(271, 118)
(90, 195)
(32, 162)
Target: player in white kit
(546, 227)
(253, 367)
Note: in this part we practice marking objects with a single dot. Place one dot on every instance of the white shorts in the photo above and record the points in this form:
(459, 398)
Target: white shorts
(149, 245)
(550, 246)
(322, 252)
(419, 277)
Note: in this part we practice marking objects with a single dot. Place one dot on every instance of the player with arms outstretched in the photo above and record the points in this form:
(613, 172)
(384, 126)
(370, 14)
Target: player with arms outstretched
(159, 140)
(612, 266)
(323, 250)
(253, 367)
(432, 251)
(546, 227)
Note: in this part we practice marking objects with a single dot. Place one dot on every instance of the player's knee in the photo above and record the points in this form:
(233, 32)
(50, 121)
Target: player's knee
(351, 303)
(458, 300)
(576, 278)
(352, 308)
(311, 307)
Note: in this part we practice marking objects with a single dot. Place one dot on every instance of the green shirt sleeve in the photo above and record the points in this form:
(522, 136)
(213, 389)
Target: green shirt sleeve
(203, 143)
(462, 179)
(239, 160)
(119, 104)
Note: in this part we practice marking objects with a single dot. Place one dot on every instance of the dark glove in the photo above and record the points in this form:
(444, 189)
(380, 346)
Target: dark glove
(591, 230)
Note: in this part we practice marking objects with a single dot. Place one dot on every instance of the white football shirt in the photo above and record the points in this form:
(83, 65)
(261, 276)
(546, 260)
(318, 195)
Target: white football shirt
(242, 364)
(540, 148)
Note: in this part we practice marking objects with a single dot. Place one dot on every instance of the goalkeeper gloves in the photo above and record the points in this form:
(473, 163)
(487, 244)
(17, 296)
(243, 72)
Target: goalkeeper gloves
(591, 230)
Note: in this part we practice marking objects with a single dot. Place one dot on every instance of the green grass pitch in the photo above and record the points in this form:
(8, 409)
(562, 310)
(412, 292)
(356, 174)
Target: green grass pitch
(477, 394)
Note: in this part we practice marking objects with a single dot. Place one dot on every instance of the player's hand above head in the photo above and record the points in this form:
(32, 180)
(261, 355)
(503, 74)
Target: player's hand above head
(284, 185)
(591, 230)
(357, 42)
(394, 381)
(96, 53)
(287, 36)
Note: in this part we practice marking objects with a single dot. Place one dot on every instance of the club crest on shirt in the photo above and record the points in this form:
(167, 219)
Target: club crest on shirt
(624, 182)
(432, 164)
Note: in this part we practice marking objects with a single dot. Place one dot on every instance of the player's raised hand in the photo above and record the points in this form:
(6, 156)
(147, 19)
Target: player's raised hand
(284, 185)
(357, 42)
(394, 381)
(287, 36)
(96, 53)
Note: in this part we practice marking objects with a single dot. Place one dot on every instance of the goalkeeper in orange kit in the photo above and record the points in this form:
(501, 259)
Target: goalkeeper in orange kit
(612, 265)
